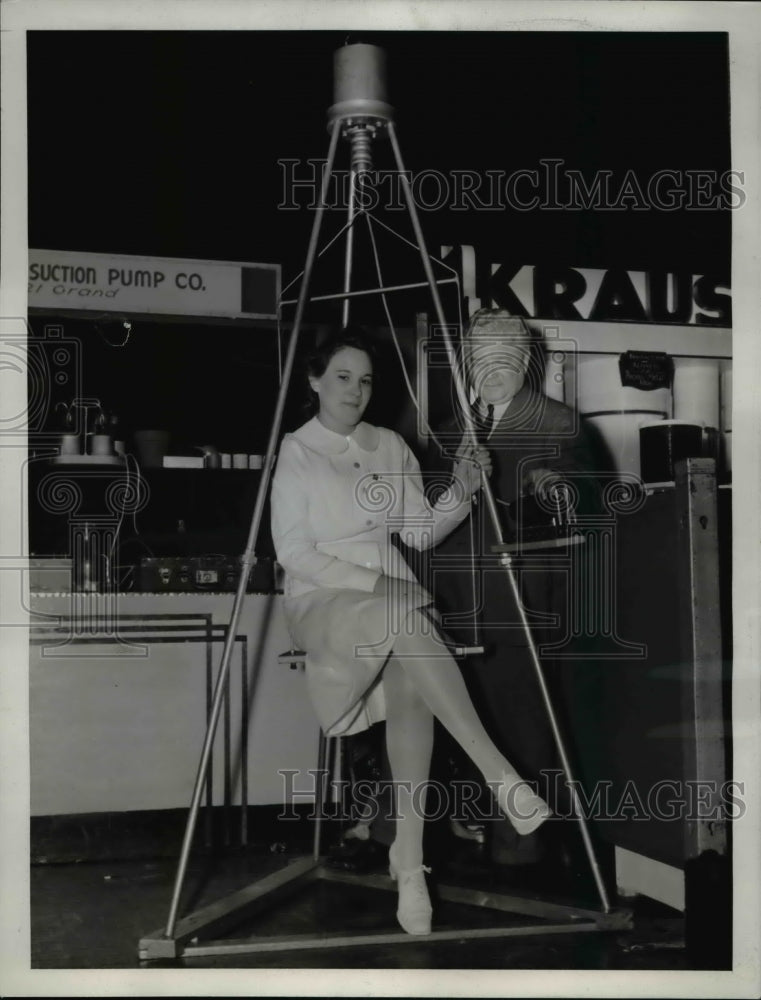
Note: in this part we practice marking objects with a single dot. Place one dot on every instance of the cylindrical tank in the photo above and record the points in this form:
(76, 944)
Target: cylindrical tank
(663, 444)
(359, 83)
(614, 411)
(696, 390)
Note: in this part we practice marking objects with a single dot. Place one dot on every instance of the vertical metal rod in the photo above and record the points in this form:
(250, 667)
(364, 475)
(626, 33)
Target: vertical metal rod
(505, 560)
(349, 249)
(244, 744)
(210, 770)
(342, 781)
(247, 558)
(319, 798)
(227, 779)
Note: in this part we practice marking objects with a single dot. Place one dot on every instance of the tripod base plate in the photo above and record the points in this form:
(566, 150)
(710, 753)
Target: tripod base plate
(546, 916)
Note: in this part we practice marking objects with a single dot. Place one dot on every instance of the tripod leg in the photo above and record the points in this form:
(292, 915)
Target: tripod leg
(349, 249)
(323, 756)
(248, 558)
(491, 505)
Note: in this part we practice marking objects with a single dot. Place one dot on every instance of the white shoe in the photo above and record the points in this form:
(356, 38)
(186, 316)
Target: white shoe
(414, 912)
(523, 807)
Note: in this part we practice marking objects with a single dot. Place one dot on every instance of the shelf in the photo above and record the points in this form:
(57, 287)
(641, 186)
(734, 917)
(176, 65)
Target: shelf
(104, 461)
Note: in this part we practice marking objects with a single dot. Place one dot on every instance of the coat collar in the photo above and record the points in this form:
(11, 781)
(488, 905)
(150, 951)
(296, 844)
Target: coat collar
(317, 437)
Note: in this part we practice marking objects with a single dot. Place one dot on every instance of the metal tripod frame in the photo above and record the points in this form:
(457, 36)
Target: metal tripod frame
(181, 937)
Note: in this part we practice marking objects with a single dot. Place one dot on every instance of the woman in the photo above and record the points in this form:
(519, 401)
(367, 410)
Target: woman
(342, 487)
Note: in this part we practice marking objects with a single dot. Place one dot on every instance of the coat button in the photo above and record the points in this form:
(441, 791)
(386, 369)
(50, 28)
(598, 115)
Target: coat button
(356, 465)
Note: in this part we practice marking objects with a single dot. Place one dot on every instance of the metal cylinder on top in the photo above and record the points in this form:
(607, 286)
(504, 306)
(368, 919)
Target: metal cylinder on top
(359, 84)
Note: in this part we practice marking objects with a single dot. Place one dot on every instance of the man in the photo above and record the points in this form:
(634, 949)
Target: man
(536, 445)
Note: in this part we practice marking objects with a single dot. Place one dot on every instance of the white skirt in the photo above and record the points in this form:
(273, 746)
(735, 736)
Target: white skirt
(348, 636)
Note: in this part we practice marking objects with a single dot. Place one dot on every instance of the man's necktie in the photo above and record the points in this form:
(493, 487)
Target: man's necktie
(483, 419)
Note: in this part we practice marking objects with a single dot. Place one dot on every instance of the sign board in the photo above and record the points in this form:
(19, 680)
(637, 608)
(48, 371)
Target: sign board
(617, 295)
(63, 280)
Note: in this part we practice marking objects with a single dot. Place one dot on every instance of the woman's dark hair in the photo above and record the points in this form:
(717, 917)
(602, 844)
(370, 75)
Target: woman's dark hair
(319, 358)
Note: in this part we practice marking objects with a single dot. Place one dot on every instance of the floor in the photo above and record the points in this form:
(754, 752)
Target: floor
(92, 915)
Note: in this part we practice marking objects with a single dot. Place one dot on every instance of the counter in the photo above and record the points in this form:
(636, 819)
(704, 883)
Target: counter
(119, 688)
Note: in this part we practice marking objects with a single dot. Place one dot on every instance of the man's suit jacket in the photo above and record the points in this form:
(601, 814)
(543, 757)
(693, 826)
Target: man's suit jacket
(535, 432)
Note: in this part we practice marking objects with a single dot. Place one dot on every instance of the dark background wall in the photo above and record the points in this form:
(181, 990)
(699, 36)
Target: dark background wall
(168, 143)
